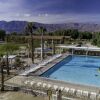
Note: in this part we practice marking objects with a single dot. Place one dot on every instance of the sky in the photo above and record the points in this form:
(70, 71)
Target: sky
(50, 11)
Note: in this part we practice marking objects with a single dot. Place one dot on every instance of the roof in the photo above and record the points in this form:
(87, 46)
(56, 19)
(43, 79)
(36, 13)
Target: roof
(50, 37)
(80, 48)
(45, 49)
(10, 56)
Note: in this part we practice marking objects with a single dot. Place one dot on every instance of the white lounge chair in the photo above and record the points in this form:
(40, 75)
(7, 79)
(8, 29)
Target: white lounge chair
(61, 88)
(44, 85)
(85, 93)
(39, 84)
(49, 86)
(66, 89)
(93, 96)
(98, 97)
(32, 83)
(79, 93)
(55, 87)
(72, 91)
(26, 82)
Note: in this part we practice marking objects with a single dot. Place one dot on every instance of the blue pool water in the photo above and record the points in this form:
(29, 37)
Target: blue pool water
(76, 69)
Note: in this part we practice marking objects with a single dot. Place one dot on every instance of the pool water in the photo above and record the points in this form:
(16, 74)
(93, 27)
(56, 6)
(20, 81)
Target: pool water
(77, 69)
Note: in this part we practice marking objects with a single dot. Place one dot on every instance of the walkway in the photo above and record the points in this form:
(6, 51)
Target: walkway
(35, 67)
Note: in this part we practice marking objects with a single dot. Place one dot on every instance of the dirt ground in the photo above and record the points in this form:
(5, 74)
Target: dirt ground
(19, 96)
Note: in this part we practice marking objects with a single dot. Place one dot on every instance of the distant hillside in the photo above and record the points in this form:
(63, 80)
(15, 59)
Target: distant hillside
(19, 26)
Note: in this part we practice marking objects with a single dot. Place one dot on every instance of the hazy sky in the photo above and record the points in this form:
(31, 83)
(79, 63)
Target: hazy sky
(50, 11)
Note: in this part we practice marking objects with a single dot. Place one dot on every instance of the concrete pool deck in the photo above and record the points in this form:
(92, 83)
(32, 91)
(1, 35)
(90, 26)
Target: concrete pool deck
(19, 80)
(49, 65)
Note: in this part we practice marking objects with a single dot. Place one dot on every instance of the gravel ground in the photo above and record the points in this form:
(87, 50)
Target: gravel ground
(19, 96)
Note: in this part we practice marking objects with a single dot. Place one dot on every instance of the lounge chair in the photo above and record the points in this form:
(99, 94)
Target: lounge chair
(85, 94)
(98, 97)
(93, 96)
(61, 88)
(27, 82)
(79, 93)
(66, 89)
(44, 85)
(39, 84)
(72, 91)
(32, 83)
(55, 87)
(49, 86)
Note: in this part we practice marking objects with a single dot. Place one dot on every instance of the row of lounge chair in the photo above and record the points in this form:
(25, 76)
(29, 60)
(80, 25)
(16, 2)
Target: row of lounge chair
(41, 64)
(66, 91)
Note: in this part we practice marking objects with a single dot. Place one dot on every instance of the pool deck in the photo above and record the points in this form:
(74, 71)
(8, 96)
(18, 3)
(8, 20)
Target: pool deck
(35, 77)
(48, 66)
(19, 80)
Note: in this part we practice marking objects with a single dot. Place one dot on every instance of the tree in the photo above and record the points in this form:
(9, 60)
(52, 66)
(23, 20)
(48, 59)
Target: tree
(14, 33)
(30, 29)
(17, 62)
(9, 49)
(85, 35)
(42, 30)
(96, 39)
(74, 33)
(2, 35)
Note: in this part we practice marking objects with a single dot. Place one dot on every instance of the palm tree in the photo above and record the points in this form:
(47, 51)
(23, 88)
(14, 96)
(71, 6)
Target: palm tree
(2, 75)
(30, 28)
(42, 31)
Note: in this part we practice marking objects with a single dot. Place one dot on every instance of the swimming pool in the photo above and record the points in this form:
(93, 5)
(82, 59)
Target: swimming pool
(76, 69)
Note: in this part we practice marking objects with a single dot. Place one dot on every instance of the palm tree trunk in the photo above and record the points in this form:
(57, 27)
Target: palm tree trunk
(42, 47)
(7, 64)
(32, 48)
(53, 47)
(2, 78)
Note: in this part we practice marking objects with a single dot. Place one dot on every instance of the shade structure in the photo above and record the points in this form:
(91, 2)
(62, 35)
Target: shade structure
(79, 48)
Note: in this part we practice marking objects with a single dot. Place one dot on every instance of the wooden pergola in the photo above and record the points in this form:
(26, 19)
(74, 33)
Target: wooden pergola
(53, 40)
